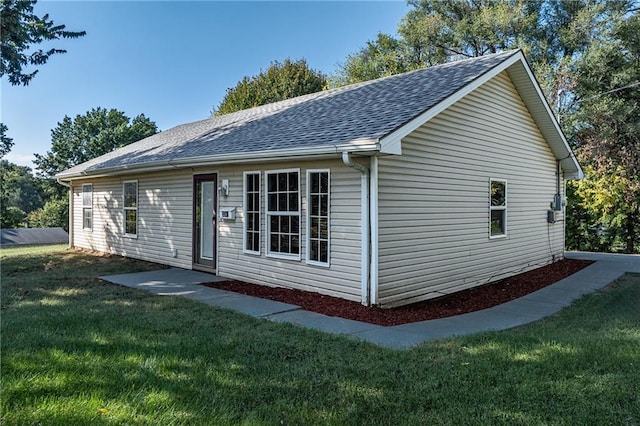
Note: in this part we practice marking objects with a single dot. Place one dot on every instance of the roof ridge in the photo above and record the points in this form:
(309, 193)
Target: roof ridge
(362, 83)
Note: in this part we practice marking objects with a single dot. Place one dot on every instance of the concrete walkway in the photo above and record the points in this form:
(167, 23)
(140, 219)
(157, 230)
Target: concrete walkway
(527, 309)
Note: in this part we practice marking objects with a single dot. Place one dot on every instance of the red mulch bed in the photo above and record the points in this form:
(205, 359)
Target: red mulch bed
(462, 302)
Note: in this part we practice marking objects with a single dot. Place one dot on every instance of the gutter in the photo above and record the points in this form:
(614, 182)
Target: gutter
(328, 151)
(68, 185)
(365, 227)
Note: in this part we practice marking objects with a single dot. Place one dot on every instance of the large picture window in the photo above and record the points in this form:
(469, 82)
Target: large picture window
(283, 213)
(318, 217)
(130, 196)
(87, 206)
(498, 208)
(252, 212)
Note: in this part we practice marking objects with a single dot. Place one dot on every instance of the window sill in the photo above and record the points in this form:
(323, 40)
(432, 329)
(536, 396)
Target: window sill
(295, 257)
(319, 264)
(498, 237)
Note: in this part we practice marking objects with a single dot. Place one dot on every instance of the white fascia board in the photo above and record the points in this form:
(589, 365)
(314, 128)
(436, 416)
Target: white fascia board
(365, 146)
(391, 144)
(566, 156)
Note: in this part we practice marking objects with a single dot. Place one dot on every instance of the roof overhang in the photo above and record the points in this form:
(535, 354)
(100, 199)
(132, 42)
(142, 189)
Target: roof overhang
(520, 73)
(362, 147)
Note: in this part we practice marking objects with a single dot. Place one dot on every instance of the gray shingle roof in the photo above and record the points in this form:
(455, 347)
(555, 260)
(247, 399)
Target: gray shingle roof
(27, 236)
(342, 116)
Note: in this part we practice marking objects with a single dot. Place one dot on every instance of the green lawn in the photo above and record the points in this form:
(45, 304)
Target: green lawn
(79, 351)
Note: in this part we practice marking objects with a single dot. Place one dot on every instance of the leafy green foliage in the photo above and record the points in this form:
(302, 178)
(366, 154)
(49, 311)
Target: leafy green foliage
(279, 82)
(606, 132)
(381, 57)
(20, 29)
(54, 213)
(12, 217)
(20, 193)
(584, 232)
(5, 141)
(88, 136)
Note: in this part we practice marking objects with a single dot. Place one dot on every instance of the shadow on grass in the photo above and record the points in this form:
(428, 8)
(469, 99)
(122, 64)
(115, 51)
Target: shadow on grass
(107, 354)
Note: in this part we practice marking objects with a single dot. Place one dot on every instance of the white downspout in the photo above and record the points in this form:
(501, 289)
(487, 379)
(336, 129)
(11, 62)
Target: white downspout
(364, 221)
(68, 185)
(373, 226)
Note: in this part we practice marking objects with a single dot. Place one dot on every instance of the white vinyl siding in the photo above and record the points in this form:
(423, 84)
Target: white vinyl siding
(433, 199)
(87, 207)
(318, 220)
(164, 218)
(341, 278)
(165, 213)
(251, 198)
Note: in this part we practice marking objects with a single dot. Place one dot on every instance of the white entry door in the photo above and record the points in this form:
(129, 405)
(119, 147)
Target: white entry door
(204, 221)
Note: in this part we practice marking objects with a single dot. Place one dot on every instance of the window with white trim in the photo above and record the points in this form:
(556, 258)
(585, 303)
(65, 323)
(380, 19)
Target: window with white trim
(87, 206)
(318, 196)
(497, 208)
(130, 202)
(283, 213)
(251, 243)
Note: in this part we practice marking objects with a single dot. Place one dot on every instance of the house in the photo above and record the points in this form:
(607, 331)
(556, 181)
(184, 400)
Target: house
(386, 192)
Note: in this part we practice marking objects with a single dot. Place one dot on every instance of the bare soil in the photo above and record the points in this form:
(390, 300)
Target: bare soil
(462, 302)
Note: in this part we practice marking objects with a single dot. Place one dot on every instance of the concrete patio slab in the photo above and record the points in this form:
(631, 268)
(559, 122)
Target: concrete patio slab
(530, 308)
(173, 279)
(322, 322)
(391, 339)
(252, 306)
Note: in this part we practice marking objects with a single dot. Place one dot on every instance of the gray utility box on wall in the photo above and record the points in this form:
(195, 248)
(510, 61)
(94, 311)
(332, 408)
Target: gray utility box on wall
(557, 202)
(551, 216)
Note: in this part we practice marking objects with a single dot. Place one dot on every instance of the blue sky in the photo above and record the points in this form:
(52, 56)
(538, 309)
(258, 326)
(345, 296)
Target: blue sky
(173, 60)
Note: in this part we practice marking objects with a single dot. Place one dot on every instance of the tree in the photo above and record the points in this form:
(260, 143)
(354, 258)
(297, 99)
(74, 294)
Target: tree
(54, 213)
(5, 141)
(552, 33)
(20, 29)
(279, 82)
(381, 57)
(87, 136)
(20, 194)
(607, 132)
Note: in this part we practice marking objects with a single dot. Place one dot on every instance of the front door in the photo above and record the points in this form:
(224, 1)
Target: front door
(204, 221)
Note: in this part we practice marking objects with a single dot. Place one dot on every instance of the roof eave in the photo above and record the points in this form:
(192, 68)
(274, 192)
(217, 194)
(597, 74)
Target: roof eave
(365, 147)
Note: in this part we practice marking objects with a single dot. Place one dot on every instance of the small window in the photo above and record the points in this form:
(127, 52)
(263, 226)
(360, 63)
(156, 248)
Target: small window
(318, 217)
(130, 195)
(283, 213)
(252, 218)
(498, 208)
(87, 206)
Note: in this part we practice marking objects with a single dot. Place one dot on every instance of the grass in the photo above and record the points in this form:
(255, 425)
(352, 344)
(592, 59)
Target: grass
(78, 351)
